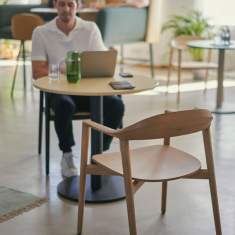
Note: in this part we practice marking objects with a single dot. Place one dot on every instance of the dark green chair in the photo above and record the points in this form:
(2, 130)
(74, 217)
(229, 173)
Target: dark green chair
(44, 107)
(125, 25)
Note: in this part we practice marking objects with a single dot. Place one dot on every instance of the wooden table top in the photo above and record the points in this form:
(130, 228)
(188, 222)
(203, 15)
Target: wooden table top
(210, 44)
(47, 10)
(93, 86)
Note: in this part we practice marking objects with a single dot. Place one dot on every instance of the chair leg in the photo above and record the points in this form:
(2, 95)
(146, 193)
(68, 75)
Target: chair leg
(179, 76)
(151, 59)
(169, 70)
(122, 58)
(40, 123)
(206, 80)
(47, 132)
(82, 188)
(207, 70)
(24, 66)
(164, 196)
(81, 201)
(130, 206)
(212, 181)
(15, 72)
(168, 78)
(178, 85)
(121, 124)
(215, 204)
(128, 187)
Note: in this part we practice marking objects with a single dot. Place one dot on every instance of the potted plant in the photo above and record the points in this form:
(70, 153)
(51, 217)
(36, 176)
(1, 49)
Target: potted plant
(194, 24)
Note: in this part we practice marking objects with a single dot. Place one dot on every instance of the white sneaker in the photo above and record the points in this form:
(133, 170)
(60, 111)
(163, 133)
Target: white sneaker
(68, 167)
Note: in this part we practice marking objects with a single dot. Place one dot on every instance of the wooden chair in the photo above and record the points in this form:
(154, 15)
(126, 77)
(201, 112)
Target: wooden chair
(179, 44)
(49, 116)
(156, 163)
(22, 26)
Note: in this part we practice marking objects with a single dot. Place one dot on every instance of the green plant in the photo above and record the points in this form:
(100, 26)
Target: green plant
(194, 24)
(3, 2)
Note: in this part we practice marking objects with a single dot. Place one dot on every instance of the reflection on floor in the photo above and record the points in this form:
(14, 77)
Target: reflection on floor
(189, 208)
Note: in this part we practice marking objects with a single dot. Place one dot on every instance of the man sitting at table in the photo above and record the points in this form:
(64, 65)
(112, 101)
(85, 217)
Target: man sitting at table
(116, 3)
(50, 43)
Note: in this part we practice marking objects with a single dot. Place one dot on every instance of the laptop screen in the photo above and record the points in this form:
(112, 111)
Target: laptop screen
(98, 63)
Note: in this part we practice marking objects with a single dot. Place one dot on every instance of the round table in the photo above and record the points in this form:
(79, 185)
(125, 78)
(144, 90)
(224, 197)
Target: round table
(46, 10)
(209, 44)
(99, 188)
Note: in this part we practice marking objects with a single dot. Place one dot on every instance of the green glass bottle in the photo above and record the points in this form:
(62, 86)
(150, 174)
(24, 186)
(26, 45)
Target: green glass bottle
(73, 71)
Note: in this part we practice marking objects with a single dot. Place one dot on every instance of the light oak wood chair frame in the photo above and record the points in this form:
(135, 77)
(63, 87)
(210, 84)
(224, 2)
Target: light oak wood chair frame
(141, 168)
(179, 44)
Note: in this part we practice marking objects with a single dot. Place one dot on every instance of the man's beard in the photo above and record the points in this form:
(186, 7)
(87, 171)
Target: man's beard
(65, 17)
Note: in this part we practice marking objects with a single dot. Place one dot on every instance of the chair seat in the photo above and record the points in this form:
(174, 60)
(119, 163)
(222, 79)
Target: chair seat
(195, 65)
(152, 163)
(77, 115)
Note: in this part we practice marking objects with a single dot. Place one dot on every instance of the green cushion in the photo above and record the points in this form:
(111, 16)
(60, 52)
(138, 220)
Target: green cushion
(122, 25)
(5, 32)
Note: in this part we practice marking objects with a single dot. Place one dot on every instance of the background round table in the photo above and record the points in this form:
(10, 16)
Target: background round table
(209, 44)
(99, 188)
(85, 13)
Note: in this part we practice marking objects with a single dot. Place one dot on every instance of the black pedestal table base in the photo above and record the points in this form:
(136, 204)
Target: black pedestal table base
(112, 189)
(227, 108)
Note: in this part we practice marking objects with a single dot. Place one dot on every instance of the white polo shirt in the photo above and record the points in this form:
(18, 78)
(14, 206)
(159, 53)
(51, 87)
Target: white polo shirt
(50, 44)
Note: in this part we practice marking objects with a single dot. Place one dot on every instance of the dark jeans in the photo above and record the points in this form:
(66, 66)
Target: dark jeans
(65, 106)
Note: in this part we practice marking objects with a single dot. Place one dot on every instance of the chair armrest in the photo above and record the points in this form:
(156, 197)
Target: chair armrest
(101, 128)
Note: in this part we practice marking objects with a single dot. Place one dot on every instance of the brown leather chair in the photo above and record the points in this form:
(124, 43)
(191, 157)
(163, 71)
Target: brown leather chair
(179, 44)
(155, 163)
(22, 26)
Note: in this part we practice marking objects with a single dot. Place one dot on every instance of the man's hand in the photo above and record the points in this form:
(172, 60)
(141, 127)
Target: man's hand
(40, 69)
(62, 68)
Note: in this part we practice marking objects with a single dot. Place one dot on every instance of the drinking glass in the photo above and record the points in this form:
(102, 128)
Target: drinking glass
(54, 70)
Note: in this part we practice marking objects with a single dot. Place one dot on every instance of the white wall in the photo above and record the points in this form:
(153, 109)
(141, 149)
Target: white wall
(161, 50)
(221, 13)
(169, 7)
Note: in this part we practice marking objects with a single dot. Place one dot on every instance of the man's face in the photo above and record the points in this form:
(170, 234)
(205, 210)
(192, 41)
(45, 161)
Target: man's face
(66, 9)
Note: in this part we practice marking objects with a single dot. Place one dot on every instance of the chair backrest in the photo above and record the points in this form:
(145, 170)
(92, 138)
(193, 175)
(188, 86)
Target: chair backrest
(130, 25)
(22, 25)
(168, 125)
(180, 42)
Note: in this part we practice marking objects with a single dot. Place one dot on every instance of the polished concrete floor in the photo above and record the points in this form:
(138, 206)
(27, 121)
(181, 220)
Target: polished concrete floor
(189, 208)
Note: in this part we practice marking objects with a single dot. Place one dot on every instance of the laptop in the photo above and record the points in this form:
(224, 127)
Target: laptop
(95, 64)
